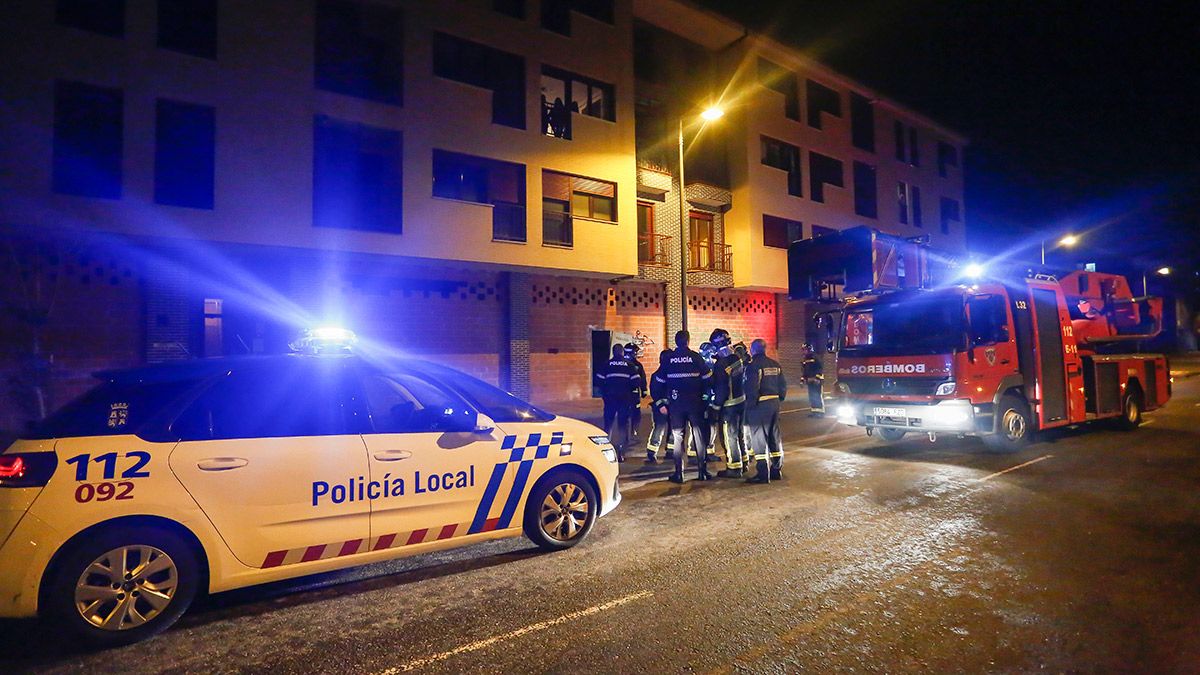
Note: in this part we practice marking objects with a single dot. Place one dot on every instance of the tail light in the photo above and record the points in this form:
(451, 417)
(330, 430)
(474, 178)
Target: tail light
(27, 469)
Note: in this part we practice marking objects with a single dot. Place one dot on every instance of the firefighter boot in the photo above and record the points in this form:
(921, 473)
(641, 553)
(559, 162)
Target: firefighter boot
(761, 473)
(703, 474)
(730, 473)
(776, 470)
(676, 477)
(650, 458)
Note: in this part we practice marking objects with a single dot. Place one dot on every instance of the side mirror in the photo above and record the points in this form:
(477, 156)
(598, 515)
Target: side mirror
(484, 424)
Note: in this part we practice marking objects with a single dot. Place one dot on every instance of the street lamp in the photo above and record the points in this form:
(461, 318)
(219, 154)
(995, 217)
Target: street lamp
(708, 115)
(1162, 272)
(1068, 241)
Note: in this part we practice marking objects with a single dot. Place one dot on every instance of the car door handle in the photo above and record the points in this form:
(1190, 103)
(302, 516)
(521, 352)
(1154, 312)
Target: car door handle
(392, 455)
(222, 463)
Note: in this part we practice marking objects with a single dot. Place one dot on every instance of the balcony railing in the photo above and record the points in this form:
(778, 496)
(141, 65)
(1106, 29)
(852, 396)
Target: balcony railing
(508, 221)
(704, 256)
(653, 250)
(557, 229)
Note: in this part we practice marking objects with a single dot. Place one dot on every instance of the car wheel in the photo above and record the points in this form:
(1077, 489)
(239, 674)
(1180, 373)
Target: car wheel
(561, 510)
(1131, 410)
(122, 586)
(1015, 430)
(891, 435)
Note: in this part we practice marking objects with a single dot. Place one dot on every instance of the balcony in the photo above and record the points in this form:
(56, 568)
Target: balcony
(508, 221)
(653, 250)
(557, 229)
(704, 256)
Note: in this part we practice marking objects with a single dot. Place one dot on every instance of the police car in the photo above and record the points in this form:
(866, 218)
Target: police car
(205, 476)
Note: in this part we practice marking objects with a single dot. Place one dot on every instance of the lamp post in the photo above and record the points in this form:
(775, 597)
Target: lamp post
(708, 115)
(1162, 272)
(1067, 240)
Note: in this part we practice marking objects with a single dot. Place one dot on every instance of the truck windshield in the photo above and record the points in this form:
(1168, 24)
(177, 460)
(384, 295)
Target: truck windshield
(925, 324)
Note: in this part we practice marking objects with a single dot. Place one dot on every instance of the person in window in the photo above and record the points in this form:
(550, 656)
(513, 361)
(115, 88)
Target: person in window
(813, 373)
(559, 118)
(616, 380)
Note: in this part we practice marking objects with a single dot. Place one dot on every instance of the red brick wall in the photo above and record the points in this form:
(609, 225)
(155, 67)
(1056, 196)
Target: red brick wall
(747, 316)
(562, 314)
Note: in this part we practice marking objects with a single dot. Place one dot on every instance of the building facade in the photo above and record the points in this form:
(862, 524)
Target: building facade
(485, 183)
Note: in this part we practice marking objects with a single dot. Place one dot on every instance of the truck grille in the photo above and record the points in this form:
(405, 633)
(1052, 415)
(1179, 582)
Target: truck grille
(901, 386)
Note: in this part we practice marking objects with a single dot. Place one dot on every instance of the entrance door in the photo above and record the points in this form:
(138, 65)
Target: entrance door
(1052, 376)
(700, 239)
(601, 352)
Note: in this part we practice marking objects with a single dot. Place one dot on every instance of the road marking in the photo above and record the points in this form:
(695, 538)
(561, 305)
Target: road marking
(784, 412)
(1014, 468)
(532, 628)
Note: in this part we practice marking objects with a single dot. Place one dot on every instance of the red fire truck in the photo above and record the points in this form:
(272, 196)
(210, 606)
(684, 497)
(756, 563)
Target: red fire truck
(997, 358)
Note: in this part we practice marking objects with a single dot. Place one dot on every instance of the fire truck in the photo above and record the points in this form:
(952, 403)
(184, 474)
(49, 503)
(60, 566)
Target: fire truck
(921, 348)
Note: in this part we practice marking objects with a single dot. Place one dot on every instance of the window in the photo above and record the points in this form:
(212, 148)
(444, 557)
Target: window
(184, 154)
(475, 64)
(310, 399)
(556, 14)
(823, 171)
(649, 252)
(557, 229)
(566, 197)
(600, 10)
(865, 191)
(106, 17)
(402, 403)
(564, 93)
(587, 205)
(484, 181)
(785, 157)
(112, 408)
(88, 138)
(950, 213)
(908, 148)
(357, 176)
(901, 147)
(821, 99)
(862, 122)
(359, 50)
(783, 81)
(701, 244)
(188, 27)
(497, 404)
(781, 232)
(821, 231)
(513, 8)
(902, 209)
(947, 156)
(988, 320)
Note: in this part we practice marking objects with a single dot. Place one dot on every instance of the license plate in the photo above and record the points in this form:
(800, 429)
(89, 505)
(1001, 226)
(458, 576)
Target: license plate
(890, 412)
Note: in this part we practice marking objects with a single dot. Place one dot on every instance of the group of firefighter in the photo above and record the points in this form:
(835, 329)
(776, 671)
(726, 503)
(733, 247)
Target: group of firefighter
(723, 392)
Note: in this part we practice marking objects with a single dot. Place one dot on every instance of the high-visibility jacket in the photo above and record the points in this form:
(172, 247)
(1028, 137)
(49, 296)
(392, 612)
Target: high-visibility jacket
(729, 381)
(764, 381)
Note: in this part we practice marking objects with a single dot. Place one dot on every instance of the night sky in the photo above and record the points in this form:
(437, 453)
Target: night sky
(1079, 113)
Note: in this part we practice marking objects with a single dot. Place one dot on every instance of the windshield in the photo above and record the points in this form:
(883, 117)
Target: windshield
(925, 324)
(496, 403)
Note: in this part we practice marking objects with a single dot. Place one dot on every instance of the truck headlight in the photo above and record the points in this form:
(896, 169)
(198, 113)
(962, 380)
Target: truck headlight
(946, 389)
(845, 413)
(843, 387)
(948, 415)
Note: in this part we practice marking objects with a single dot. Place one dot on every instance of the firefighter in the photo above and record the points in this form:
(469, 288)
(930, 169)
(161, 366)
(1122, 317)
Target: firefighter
(688, 379)
(711, 412)
(814, 377)
(729, 399)
(639, 389)
(765, 388)
(616, 381)
(661, 421)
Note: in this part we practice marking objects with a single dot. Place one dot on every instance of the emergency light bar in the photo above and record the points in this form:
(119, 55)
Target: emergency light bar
(324, 340)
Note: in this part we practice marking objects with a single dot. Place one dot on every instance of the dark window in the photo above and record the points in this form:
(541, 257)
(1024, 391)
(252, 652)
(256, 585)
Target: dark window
(112, 408)
(865, 191)
(914, 148)
(513, 8)
(188, 26)
(106, 17)
(557, 229)
(908, 149)
(902, 202)
(950, 213)
(901, 148)
(357, 176)
(475, 64)
(823, 171)
(302, 399)
(497, 404)
(781, 80)
(915, 202)
(862, 122)
(184, 154)
(781, 232)
(403, 403)
(563, 93)
(785, 157)
(556, 14)
(821, 99)
(485, 181)
(600, 10)
(988, 320)
(650, 122)
(359, 50)
(947, 157)
(88, 138)
(821, 231)
(648, 63)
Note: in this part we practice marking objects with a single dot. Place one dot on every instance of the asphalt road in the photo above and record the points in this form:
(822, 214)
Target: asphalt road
(1081, 553)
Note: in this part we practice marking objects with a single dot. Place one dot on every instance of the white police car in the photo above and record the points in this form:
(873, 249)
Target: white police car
(170, 480)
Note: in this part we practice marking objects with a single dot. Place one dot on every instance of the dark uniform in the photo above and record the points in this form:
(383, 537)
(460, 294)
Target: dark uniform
(616, 381)
(814, 377)
(765, 388)
(635, 418)
(662, 422)
(688, 380)
(730, 399)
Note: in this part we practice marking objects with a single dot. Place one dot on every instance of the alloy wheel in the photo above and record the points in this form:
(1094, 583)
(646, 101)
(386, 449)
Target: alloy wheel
(126, 587)
(564, 512)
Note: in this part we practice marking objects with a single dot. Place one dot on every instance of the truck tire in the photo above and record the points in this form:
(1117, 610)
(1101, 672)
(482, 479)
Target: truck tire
(561, 510)
(1014, 430)
(121, 586)
(891, 435)
(1131, 410)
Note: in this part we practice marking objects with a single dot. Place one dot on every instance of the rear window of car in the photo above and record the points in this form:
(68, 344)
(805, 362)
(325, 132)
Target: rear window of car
(112, 408)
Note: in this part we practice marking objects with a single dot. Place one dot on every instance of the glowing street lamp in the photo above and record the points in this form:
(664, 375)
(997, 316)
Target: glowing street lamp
(710, 114)
(1162, 272)
(1067, 241)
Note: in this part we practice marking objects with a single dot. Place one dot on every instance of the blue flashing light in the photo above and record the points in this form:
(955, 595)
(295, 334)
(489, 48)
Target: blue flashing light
(325, 340)
(974, 270)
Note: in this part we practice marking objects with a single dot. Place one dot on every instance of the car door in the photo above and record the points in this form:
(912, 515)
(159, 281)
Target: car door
(442, 475)
(274, 459)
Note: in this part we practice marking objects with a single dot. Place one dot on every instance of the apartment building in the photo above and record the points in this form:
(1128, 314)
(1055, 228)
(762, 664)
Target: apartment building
(478, 182)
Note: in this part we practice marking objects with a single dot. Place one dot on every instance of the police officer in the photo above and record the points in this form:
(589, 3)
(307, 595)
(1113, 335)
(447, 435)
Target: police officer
(765, 388)
(729, 399)
(616, 381)
(688, 379)
(635, 418)
(814, 377)
(659, 417)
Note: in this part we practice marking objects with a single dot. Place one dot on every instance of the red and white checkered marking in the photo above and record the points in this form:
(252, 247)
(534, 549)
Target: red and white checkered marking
(380, 543)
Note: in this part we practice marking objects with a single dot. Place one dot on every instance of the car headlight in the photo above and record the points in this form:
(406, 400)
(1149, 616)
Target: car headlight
(843, 387)
(600, 440)
(610, 454)
(946, 389)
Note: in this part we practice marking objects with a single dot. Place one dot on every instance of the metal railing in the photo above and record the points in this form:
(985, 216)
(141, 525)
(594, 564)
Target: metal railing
(705, 256)
(557, 229)
(508, 221)
(654, 250)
